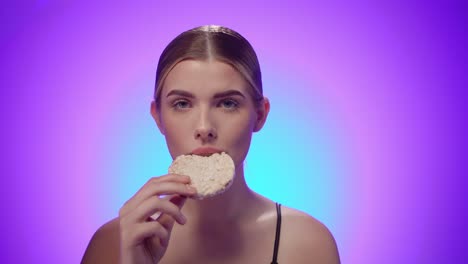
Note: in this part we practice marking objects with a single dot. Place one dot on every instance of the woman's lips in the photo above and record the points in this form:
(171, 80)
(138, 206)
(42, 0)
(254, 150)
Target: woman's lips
(205, 151)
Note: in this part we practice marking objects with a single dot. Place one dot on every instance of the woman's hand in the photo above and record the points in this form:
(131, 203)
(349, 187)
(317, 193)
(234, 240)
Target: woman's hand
(143, 239)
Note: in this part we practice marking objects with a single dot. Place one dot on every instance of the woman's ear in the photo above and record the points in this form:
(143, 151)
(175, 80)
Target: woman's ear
(157, 117)
(262, 113)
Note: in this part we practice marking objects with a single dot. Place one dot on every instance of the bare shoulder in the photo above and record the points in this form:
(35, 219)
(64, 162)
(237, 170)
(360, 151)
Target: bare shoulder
(104, 245)
(304, 239)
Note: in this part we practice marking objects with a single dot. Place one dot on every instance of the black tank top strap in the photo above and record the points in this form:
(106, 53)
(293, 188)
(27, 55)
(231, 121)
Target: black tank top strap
(277, 235)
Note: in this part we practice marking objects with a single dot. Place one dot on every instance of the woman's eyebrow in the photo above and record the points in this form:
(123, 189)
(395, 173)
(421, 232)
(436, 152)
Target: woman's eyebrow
(181, 93)
(218, 95)
(228, 93)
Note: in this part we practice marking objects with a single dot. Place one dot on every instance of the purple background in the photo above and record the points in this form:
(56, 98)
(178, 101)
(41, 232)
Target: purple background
(367, 130)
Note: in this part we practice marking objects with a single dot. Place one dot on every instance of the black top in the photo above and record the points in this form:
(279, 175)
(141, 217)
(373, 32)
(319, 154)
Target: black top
(277, 235)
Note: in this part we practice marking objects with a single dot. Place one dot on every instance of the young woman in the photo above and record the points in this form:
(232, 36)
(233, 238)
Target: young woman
(208, 98)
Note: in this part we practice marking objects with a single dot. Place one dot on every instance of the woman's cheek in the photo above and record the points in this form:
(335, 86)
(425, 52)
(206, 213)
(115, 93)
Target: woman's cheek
(175, 141)
(240, 142)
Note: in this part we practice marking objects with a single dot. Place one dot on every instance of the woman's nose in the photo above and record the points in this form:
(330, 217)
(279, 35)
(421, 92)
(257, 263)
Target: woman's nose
(205, 130)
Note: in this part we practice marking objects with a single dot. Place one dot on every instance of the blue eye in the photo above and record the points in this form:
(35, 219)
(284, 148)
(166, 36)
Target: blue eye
(181, 104)
(229, 104)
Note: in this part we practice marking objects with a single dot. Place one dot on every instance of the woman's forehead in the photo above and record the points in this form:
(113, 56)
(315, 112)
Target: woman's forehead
(209, 76)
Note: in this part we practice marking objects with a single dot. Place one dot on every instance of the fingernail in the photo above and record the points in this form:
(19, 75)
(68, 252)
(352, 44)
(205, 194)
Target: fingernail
(187, 178)
(191, 189)
(182, 219)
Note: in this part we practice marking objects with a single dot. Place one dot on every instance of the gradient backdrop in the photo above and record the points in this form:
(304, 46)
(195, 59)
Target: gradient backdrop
(367, 130)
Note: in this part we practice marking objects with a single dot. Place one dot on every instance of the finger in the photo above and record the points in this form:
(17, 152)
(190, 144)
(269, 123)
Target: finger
(168, 177)
(166, 220)
(141, 231)
(165, 178)
(156, 215)
(152, 205)
(157, 188)
(164, 189)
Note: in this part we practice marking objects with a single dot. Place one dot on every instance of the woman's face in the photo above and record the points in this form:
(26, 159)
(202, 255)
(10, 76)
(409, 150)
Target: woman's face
(207, 104)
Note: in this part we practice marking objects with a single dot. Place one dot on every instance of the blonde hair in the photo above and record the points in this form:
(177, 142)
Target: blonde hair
(211, 42)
